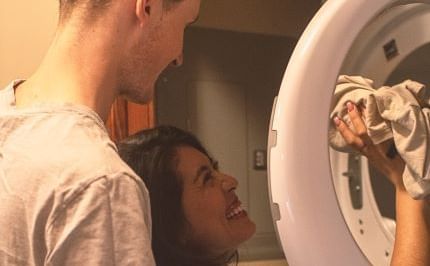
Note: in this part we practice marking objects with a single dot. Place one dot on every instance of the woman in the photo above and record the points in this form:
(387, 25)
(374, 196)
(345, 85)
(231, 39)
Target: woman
(412, 243)
(197, 217)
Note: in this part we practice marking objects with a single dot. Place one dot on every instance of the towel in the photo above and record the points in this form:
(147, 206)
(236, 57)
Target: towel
(400, 113)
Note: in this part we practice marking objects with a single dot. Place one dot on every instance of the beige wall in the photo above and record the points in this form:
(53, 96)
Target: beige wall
(26, 29)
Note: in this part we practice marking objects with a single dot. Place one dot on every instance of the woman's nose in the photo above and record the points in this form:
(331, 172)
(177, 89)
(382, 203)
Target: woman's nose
(229, 183)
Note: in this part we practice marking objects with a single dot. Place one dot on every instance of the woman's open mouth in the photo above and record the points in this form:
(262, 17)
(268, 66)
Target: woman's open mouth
(235, 211)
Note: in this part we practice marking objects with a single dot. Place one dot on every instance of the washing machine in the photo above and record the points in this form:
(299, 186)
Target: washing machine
(331, 208)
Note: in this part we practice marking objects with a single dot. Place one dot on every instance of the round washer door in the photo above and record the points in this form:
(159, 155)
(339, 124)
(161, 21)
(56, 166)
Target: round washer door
(305, 208)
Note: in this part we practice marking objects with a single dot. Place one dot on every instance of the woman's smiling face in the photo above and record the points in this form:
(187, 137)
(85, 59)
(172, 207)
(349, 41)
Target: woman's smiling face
(216, 220)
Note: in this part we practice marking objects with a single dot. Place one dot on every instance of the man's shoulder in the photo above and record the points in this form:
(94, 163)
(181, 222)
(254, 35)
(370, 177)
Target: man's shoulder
(62, 145)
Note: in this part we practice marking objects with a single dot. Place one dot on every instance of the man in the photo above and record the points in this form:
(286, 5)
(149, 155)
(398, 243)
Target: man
(66, 198)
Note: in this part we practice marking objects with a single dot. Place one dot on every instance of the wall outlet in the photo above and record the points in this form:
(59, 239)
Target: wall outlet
(260, 161)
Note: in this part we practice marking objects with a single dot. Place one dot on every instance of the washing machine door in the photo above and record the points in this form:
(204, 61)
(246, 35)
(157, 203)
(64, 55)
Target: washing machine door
(309, 220)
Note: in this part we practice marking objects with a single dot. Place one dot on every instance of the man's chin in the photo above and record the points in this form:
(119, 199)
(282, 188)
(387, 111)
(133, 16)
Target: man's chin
(139, 100)
(139, 97)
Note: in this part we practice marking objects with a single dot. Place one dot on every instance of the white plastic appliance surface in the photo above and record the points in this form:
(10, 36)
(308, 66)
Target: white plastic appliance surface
(306, 211)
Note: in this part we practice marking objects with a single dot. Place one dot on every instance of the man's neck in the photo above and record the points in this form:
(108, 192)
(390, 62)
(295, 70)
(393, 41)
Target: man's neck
(74, 71)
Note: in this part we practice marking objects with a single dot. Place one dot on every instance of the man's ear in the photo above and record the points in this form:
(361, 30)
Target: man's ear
(143, 10)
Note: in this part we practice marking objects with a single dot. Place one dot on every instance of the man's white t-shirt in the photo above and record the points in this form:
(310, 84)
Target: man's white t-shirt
(66, 197)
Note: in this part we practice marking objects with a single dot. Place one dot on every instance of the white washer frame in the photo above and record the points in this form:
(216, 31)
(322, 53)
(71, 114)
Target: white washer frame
(311, 227)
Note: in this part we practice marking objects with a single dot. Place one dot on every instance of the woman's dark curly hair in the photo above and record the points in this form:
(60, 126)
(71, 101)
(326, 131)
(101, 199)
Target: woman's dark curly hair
(152, 155)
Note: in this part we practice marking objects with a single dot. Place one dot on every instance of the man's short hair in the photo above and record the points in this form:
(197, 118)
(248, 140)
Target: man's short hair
(93, 8)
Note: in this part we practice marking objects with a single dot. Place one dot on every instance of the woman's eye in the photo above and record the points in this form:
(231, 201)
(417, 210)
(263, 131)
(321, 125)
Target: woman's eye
(215, 165)
(207, 177)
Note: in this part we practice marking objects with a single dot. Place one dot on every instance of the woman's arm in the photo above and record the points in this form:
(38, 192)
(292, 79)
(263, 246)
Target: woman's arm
(412, 243)
(412, 246)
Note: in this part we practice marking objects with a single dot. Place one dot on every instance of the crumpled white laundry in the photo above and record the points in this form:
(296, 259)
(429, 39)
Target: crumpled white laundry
(400, 112)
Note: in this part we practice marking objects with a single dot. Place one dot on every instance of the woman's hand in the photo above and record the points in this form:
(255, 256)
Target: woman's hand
(382, 156)
(412, 242)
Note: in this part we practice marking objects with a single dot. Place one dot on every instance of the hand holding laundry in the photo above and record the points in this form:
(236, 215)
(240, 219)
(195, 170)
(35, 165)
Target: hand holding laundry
(398, 115)
(412, 224)
(391, 165)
